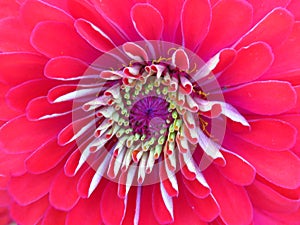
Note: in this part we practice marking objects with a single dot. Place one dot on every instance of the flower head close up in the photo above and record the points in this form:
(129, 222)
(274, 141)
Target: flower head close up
(149, 112)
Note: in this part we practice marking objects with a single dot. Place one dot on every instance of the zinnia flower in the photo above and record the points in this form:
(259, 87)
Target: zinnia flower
(150, 112)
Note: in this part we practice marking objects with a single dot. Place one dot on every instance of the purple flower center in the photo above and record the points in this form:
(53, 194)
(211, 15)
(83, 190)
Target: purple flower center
(149, 115)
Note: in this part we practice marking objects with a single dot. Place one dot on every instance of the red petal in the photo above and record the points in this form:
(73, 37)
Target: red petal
(195, 22)
(46, 157)
(263, 97)
(273, 29)
(12, 164)
(146, 210)
(9, 8)
(230, 19)
(10, 42)
(87, 11)
(294, 8)
(57, 39)
(87, 211)
(40, 108)
(6, 112)
(196, 188)
(262, 8)
(94, 35)
(226, 58)
(19, 96)
(184, 214)
(237, 170)
(281, 168)
(4, 198)
(64, 68)
(160, 210)
(265, 198)
(28, 66)
(30, 214)
(292, 76)
(287, 55)
(231, 199)
(112, 207)
(261, 57)
(119, 14)
(170, 16)
(260, 218)
(28, 188)
(16, 136)
(34, 11)
(147, 21)
(54, 216)
(63, 192)
(271, 134)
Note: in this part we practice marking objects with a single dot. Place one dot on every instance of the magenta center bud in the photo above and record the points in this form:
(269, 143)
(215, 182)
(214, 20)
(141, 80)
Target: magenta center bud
(149, 115)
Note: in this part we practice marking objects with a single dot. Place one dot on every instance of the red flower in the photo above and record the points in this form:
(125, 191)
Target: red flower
(165, 112)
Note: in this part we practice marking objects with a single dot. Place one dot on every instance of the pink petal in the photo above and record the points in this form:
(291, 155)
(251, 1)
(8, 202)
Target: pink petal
(87, 211)
(206, 208)
(65, 68)
(6, 112)
(146, 210)
(20, 132)
(10, 42)
(63, 191)
(85, 10)
(12, 164)
(28, 66)
(94, 35)
(281, 168)
(9, 8)
(196, 188)
(195, 22)
(294, 8)
(226, 58)
(58, 39)
(40, 108)
(292, 76)
(34, 11)
(260, 218)
(262, 8)
(261, 57)
(245, 173)
(28, 188)
(273, 29)
(28, 90)
(119, 15)
(52, 152)
(287, 55)
(184, 214)
(147, 21)
(160, 210)
(169, 15)
(231, 199)
(54, 216)
(112, 207)
(265, 198)
(230, 19)
(271, 134)
(4, 198)
(30, 214)
(263, 97)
